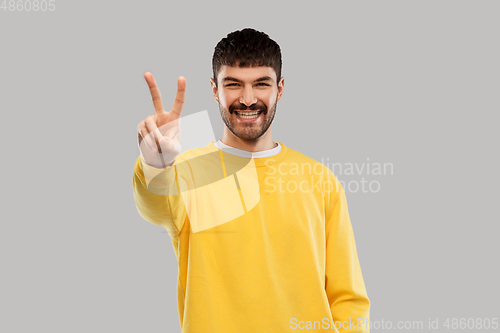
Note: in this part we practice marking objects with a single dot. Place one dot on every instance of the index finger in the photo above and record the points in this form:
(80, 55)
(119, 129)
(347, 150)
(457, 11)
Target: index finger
(179, 97)
(155, 92)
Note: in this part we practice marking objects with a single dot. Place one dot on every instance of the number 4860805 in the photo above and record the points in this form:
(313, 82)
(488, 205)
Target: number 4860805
(28, 5)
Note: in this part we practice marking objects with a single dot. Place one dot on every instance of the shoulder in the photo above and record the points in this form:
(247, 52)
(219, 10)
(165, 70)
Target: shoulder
(294, 156)
(198, 159)
(313, 168)
(198, 152)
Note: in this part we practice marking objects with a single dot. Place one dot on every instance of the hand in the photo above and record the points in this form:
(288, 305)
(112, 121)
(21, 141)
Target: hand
(159, 134)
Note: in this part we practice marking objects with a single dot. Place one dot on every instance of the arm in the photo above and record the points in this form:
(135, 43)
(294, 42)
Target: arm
(345, 287)
(156, 183)
(157, 196)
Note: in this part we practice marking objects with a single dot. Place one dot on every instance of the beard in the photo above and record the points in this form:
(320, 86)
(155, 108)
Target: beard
(248, 130)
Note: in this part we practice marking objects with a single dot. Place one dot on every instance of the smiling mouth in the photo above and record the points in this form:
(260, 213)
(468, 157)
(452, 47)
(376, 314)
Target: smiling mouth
(248, 114)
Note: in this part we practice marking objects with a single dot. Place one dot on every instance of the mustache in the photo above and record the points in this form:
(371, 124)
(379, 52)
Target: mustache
(254, 107)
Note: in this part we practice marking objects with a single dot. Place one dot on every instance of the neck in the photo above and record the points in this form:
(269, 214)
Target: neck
(265, 142)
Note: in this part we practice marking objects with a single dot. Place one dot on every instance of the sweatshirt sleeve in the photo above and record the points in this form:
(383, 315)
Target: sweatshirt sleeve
(345, 287)
(158, 197)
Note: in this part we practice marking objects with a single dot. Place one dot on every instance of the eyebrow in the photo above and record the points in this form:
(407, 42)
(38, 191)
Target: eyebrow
(260, 79)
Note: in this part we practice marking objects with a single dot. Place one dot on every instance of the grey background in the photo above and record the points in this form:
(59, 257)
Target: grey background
(412, 83)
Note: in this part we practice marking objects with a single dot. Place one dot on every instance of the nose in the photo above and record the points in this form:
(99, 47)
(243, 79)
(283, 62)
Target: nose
(248, 98)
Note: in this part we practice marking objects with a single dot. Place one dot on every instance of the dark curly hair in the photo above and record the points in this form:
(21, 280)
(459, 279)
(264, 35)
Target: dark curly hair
(247, 48)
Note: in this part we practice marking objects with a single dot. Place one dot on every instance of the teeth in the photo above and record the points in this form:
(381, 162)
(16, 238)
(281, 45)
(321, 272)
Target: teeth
(247, 115)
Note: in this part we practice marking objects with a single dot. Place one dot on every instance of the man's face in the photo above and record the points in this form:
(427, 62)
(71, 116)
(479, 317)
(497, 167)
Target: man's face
(247, 98)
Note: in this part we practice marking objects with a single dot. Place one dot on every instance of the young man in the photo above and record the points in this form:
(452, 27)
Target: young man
(261, 232)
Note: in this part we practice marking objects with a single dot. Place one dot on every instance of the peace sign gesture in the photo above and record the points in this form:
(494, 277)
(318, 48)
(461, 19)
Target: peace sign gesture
(159, 134)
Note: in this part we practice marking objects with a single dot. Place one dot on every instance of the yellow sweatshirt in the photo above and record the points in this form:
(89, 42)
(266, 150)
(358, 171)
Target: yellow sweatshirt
(263, 244)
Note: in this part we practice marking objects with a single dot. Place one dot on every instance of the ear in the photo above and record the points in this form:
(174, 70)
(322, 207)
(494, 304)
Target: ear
(214, 89)
(281, 84)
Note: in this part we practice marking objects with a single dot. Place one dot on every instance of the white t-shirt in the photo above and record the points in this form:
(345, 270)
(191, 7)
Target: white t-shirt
(245, 153)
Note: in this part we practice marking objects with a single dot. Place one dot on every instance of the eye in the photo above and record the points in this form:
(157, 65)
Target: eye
(231, 84)
(262, 84)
